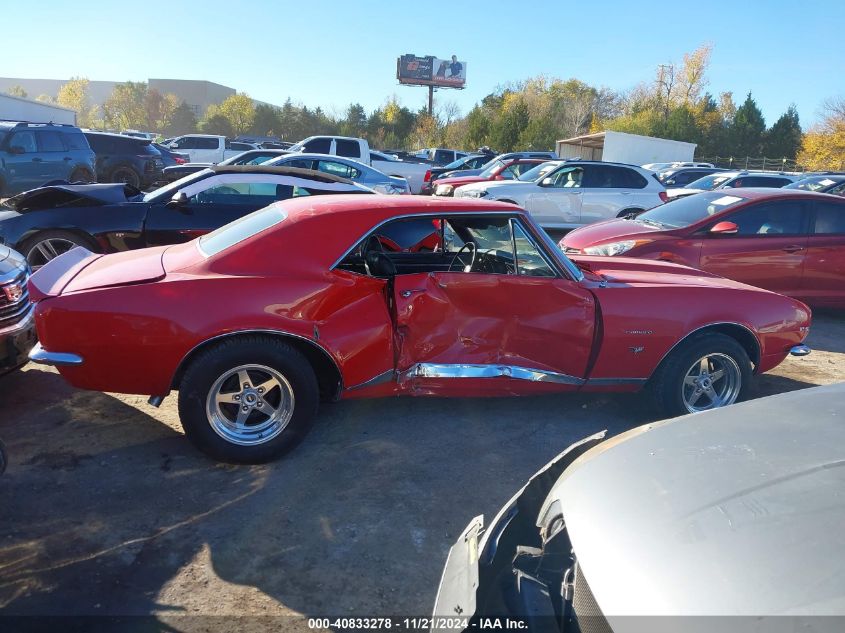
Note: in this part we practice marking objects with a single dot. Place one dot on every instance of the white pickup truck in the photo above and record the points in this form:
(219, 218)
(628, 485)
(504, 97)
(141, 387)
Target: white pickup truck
(358, 149)
(208, 148)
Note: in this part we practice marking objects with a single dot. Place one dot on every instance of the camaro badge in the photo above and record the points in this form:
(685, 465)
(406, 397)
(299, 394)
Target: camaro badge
(13, 292)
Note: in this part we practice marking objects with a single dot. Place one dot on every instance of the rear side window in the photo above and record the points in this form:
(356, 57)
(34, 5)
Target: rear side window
(50, 141)
(76, 140)
(830, 218)
(186, 143)
(338, 169)
(100, 144)
(318, 146)
(207, 143)
(771, 219)
(240, 230)
(350, 149)
(610, 177)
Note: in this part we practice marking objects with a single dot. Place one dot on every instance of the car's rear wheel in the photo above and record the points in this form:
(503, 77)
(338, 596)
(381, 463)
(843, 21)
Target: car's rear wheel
(126, 175)
(709, 371)
(81, 174)
(47, 245)
(248, 399)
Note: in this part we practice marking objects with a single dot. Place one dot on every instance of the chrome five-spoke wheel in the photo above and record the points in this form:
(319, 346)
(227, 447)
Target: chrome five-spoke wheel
(250, 404)
(713, 381)
(46, 250)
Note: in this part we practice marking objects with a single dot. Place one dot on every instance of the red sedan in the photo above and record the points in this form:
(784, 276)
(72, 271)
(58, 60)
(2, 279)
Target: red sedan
(512, 169)
(787, 241)
(318, 298)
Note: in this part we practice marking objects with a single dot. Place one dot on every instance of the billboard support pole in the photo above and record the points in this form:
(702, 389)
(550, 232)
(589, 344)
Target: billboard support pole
(431, 101)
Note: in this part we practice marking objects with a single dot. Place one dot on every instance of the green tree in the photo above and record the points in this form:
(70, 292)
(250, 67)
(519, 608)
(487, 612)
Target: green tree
(355, 122)
(182, 121)
(126, 106)
(506, 132)
(783, 140)
(74, 95)
(745, 134)
(17, 91)
(478, 128)
(266, 121)
(239, 110)
(215, 123)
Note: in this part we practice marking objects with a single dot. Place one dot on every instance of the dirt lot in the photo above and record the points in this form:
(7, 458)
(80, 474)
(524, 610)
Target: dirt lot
(107, 510)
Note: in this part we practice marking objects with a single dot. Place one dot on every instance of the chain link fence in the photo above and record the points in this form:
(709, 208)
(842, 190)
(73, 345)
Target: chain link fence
(751, 163)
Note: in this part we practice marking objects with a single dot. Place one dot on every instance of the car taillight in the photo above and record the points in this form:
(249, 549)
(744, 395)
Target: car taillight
(179, 160)
(664, 197)
(427, 177)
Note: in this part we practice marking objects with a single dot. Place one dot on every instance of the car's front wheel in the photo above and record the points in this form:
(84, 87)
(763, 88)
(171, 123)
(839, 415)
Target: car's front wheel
(248, 399)
(47, 245)
(709, 371)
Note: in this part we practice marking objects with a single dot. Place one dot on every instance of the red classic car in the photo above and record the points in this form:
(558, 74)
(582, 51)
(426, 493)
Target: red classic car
(334, 298)
(785, 240)
(512, 169)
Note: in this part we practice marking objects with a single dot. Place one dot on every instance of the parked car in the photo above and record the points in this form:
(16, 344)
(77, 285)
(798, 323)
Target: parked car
(358, 149)
(577, 193)
(353, 297)
(441, 156)
(249, 157)
(126, 159)
(170, 157)
(672, 526)
(34, 153)
(49, 221)
(676, 177)
(511, 169)
(784, 240)
(832, 183)
(208, 148)
(344, 168)
(501, 157)
(17, 329)
(731, 180)
(150, 136)
(657, 167)
(467, 162)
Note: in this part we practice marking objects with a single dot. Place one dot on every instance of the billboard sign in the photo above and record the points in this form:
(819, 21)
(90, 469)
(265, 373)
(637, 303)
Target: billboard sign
(431, 71)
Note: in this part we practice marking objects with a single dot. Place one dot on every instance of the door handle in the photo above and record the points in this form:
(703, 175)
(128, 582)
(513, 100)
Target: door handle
(625, 193)
(792, 249)
(407, 293)
(37, 160)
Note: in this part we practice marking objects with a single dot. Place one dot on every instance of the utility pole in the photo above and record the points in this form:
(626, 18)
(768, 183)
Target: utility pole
(661, 83)
(431, 101)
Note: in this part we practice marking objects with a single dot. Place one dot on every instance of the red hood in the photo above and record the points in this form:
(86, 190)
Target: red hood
(609, 231)
(457, 181)
(80, 269)
(647, 272)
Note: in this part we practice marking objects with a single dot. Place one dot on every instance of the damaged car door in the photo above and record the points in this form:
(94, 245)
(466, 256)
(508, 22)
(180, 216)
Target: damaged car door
(489, 311)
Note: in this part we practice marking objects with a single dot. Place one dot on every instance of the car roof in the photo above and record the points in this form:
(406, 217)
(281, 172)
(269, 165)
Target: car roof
(283, 171)
(761, 193)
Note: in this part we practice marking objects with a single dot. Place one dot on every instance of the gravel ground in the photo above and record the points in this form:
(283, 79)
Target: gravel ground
(106, 510)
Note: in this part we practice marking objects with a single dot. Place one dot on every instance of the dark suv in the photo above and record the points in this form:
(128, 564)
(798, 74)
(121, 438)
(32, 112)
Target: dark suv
(34, 153)
(120, 158)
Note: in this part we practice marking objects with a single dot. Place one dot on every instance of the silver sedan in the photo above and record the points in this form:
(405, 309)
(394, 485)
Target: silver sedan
(345, 168)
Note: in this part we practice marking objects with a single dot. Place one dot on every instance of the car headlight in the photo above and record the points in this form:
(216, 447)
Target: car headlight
(444, 190)
(613, 248)
(475, 193)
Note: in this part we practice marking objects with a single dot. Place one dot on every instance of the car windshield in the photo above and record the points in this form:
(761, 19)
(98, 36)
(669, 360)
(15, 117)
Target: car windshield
(456, 164)
(535, 173)
(709, 183)
(688, 210)
(241, 229)
(168, 190)
(488, 171)
(814, 183)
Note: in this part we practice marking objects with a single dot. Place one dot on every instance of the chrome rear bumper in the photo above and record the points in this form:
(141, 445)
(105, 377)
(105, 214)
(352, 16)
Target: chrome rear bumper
(58, 359)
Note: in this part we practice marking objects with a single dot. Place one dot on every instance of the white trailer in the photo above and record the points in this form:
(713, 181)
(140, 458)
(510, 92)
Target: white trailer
(620, 147)
(20, 109)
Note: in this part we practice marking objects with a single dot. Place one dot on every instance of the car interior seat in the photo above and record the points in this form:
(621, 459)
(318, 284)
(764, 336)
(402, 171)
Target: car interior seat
(284, 192)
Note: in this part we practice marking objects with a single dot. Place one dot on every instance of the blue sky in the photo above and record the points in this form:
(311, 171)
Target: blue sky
(330, 52)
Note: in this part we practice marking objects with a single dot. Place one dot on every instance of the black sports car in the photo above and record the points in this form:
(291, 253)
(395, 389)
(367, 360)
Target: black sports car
(46, 222)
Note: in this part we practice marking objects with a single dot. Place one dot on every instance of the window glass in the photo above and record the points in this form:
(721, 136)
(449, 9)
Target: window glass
(839, 190)
(50, 141)
(509, 173)
(442, 157)
(206, 143)
(76, 140)
(318, 146)
(338, 169)
(412, 235)
(24, 139)
(258, 194)
(490, 238)
(567, 178)
(350, 149)
(239, 230)
(529, 261)
(538, 172)
(186, 143)
(689, 209)
(773, 218)
(299, 163)
(830, 218)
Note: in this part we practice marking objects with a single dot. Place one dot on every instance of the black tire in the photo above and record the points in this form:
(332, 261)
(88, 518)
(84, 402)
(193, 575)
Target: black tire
(209, 366)
(35, 256)
(80, 174)
(667, 383)
(630, 213)
(126, 175)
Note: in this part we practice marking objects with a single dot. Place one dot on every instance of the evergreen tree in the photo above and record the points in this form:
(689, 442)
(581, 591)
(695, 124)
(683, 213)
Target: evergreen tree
(783, 140)
(746, 132)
